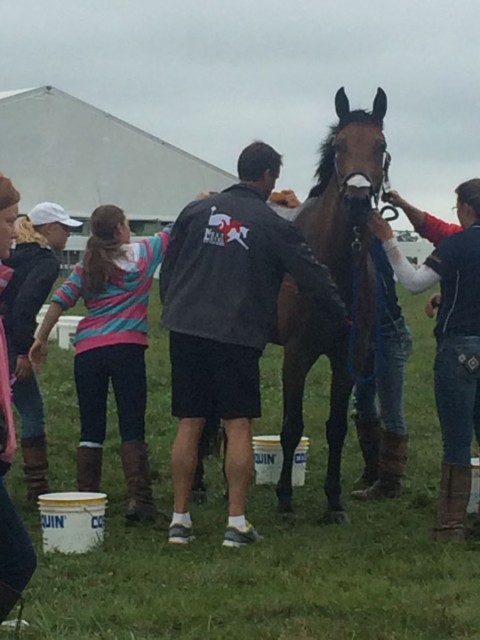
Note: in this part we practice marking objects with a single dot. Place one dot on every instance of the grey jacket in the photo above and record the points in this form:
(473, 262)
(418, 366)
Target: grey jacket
(224, 266)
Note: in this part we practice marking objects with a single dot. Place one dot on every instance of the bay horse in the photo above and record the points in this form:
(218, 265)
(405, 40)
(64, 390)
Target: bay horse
(351, 174)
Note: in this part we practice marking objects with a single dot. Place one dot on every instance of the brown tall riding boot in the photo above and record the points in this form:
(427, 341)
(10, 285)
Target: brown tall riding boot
(391, 468)
(35, 466)
(455, 485)
(369, 433)
(89, 468)
(8, 599)
(136, 468)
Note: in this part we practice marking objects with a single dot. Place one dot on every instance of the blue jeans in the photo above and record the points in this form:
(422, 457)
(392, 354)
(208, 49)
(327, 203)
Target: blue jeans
(388, 385)
(17, 556)
(29, 404)
(457, 394)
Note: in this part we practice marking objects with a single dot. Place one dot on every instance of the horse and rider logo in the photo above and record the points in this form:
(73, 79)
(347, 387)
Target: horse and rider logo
(223, 229)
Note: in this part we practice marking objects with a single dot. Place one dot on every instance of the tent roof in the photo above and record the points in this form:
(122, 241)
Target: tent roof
(8, 94)
(52, 141)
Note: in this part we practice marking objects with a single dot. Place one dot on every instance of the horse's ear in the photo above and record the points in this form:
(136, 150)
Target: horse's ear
(380, 105)
(342, 106)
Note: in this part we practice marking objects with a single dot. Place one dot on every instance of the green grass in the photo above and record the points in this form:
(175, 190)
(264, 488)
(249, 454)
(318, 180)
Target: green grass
(381, 577)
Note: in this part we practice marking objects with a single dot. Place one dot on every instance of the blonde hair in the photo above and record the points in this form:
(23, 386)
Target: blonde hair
(26, 232)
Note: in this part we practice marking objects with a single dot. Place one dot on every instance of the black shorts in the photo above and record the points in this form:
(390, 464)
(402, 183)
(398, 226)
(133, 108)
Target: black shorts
(212, 378)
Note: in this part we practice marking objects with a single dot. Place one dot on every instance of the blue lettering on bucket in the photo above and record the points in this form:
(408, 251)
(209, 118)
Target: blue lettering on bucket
(98, 522)
(265, 458)
(53, 522)
(301, 458)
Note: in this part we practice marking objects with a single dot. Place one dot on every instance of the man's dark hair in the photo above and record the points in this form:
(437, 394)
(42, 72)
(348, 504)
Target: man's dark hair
(257, 158)
(469, 193)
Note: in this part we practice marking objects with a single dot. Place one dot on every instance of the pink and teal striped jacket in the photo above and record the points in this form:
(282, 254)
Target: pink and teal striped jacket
(119, 314)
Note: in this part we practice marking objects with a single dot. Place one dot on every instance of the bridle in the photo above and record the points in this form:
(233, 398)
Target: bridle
(361, 179)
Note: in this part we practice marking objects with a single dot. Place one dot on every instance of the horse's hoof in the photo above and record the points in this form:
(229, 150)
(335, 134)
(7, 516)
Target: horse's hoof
(288, 517)
(199, 496)
(285, 508)
(335, 517)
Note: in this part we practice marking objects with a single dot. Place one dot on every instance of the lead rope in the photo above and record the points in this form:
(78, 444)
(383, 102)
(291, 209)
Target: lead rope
(379, 351)
(380, 304)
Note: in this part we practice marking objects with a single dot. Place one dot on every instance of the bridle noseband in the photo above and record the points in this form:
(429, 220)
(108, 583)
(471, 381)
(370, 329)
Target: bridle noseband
(361, 179)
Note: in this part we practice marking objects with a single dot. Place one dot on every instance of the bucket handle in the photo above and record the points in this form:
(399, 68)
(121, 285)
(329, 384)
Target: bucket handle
(99, 539)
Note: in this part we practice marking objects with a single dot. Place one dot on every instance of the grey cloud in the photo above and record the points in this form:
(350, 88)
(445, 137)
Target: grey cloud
(211, 76)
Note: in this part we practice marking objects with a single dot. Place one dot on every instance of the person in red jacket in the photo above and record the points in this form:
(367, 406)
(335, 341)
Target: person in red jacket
(434, 230)
(455, 264)
(425, 224)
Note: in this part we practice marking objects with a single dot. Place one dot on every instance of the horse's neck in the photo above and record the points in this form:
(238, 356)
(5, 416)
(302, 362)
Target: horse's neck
(326, 229)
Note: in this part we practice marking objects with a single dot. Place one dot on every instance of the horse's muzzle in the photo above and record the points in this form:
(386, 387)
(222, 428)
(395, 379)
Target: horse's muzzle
(357, 206)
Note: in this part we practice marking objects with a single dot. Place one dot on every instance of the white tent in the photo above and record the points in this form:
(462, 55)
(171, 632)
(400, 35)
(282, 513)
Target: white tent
(58, 148)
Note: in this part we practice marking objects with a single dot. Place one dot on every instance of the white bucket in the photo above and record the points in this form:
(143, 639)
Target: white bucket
(67, 328)
(268, 455)
(72, 522)
(472, 506)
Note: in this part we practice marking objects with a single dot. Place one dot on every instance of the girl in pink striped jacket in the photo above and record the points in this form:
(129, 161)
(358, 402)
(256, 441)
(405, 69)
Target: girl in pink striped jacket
(114, 280)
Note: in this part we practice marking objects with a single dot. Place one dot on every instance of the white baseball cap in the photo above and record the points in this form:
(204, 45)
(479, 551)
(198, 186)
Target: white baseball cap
(46, 212)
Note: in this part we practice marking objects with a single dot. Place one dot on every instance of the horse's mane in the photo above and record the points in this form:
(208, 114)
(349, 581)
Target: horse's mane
(326, 166)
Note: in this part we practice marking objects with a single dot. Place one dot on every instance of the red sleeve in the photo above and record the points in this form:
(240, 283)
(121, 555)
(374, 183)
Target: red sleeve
(435, 229)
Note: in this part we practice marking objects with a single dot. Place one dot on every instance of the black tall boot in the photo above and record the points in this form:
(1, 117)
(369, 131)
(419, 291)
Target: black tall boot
(8, 599)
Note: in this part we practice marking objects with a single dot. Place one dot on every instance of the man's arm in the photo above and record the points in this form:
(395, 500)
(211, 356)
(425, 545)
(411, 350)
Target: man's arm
(174, 248)
(310, 276)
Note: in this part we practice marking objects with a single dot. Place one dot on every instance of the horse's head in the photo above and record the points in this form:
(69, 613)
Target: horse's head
(359, 155)
(355, 153)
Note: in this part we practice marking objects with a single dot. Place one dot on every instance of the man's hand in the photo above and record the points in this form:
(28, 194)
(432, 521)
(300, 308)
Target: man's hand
(432, 304)
(23, 368)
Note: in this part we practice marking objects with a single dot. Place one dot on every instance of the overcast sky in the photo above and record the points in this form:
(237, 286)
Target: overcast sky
(210, 76)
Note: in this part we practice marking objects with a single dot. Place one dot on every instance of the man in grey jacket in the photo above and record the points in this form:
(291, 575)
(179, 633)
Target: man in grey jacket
(219, 284)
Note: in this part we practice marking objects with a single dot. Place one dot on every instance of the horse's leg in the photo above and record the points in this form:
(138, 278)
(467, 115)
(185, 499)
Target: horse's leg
(336, 429)
(297, 362)
(205, 446)
(199, 490)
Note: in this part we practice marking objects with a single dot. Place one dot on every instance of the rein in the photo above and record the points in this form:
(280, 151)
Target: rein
(356, 246)
(379, 309)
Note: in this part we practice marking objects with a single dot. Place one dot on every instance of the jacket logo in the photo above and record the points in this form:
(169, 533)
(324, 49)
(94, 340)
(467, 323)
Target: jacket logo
(223, 229)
